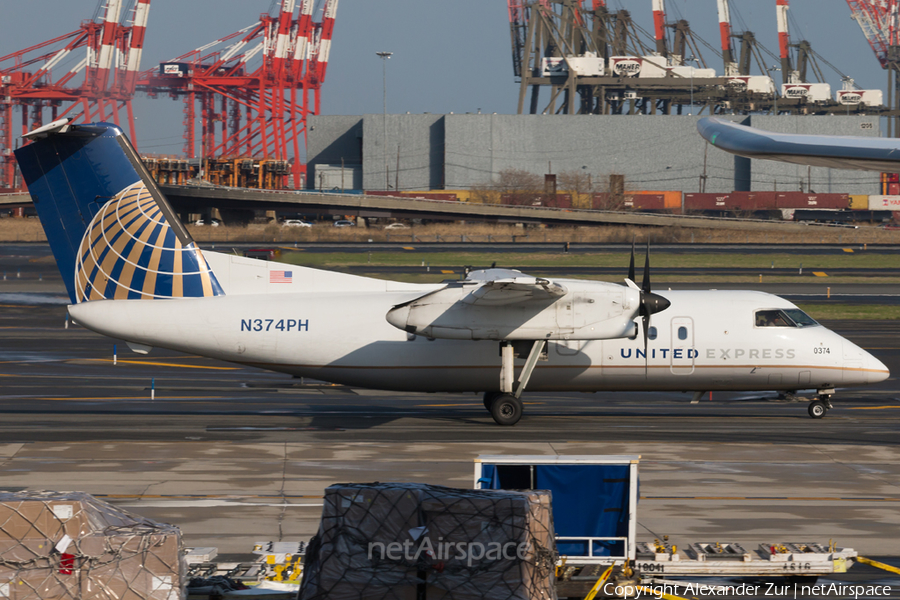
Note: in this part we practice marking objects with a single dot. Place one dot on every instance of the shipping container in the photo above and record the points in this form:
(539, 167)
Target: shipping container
(672, 199)
(588, 65)
(635, 201)
(812, 92)
(174, 69)
(754, 84)
(707, 201)
(627, 66)
(803, 200)
(735, 201)
(856, 97)
(754, 200)
(884, 203)
(859, 202)
(653, 66)
(685, 72)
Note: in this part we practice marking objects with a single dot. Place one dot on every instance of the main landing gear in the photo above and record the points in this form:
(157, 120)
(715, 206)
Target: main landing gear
(505, 406)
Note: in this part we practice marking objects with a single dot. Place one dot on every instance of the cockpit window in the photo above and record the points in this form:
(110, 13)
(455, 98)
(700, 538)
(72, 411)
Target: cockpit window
(800, 318)
(792, 317)
(772, 318)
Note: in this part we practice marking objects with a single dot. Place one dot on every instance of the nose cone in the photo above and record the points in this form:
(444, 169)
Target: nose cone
(876, 371)
(656, 303)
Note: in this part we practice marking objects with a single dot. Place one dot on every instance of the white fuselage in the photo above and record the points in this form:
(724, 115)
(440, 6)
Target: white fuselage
(344, 337)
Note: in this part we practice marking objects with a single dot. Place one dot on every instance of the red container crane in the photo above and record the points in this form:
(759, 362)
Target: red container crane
(95, 88)
(878, 20)
(252, 89)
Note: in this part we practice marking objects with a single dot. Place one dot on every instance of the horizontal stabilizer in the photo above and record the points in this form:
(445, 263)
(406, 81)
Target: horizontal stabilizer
(833, 151)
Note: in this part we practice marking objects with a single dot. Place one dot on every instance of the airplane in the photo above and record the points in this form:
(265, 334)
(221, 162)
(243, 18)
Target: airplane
(133, 272)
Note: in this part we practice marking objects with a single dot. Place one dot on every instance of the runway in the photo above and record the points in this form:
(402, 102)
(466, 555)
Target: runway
(235, 455)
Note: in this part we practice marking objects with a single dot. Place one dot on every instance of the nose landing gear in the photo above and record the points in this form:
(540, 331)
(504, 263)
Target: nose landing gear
(819, 407)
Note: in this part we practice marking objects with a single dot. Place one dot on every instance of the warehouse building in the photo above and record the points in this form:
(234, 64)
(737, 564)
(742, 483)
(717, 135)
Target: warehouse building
(460, 152)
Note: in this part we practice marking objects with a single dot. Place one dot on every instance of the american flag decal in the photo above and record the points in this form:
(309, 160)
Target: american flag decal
(281, 276)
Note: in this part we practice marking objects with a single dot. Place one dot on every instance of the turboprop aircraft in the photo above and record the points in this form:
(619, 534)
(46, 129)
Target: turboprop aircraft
(133, 272)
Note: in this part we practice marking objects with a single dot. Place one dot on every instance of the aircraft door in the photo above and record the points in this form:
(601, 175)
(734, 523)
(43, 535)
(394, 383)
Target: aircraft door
(565, 314)
(682, 353)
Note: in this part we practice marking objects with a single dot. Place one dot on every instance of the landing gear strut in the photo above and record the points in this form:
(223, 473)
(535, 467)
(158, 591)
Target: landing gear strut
(506, 405)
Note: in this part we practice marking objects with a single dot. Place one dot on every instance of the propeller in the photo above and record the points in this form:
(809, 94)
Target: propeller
(650, 303)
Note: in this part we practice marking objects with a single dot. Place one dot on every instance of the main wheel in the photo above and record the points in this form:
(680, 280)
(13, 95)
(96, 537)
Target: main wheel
(489, 398)
(506, 409)
(817, 409)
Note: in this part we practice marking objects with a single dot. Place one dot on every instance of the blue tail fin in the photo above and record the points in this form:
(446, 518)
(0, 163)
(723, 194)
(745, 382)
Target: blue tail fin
(112, 232)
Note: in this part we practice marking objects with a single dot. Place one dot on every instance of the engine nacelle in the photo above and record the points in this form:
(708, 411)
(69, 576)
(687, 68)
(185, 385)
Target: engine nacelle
(587, 311)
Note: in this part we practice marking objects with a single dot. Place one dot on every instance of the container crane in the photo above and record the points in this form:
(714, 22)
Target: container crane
(659, 27)
(731, 67)
(37, 78)
(880, 23)
(788, 75)
(252, 88)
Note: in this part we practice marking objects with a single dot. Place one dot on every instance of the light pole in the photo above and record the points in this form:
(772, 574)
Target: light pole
(770, 70)
(384, 58)
(694, 60)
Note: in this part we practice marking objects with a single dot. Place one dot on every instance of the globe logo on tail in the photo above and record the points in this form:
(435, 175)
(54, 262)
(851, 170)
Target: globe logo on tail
(129, 251)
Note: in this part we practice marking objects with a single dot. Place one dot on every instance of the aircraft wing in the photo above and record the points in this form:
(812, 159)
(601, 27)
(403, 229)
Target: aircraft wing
(510, 287)
(834, 151)
(501, 304)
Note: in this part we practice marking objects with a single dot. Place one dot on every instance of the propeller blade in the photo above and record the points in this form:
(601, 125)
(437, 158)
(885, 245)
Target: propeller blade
(645, 318)
(646, 284)
(631, 267)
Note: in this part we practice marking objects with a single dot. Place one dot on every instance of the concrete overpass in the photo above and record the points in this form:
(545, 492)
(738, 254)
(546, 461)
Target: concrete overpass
(200, 198)
(192, 198)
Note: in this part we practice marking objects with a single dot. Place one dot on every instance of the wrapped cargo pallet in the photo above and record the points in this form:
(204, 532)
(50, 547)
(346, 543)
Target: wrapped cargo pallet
(56, 546)
(403, 541)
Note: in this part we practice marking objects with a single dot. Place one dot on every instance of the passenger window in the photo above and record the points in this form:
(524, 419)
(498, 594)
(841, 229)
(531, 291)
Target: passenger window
(772, 318)
(651, 333)
(682, 333)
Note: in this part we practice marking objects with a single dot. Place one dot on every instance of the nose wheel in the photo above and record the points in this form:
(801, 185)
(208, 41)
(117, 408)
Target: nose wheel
(819, 408)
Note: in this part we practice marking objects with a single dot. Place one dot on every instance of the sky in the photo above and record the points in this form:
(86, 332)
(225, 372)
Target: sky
(449, 55)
